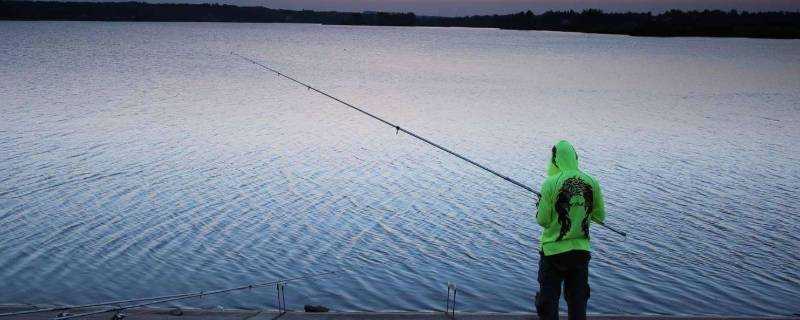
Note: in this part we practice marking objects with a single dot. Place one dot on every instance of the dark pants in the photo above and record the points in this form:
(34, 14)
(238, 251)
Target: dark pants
(572, 268)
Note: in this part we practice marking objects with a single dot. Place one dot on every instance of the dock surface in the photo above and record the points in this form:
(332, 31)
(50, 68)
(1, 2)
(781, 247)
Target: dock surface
(202, 314)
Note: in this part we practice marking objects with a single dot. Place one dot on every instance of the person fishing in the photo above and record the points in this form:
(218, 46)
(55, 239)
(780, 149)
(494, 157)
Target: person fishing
(570, 200)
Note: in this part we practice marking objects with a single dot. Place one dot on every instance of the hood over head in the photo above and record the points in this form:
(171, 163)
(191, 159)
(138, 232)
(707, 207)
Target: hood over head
(563, 158)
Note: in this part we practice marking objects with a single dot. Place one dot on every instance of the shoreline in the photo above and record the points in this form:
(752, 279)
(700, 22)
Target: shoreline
(421, 26)
(672, 23)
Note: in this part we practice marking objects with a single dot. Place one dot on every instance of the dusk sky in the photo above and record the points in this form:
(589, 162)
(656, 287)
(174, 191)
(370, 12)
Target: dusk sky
(471, 7)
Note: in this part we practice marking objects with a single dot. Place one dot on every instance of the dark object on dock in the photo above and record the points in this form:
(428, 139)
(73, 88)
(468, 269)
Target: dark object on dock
(310, 308)
(118, 316)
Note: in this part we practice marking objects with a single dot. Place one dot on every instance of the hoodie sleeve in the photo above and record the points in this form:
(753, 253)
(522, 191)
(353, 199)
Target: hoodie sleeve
(599, 210)
(546, 205)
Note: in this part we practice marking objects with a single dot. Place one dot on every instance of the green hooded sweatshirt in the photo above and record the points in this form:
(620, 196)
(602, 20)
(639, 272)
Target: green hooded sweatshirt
(570, 199)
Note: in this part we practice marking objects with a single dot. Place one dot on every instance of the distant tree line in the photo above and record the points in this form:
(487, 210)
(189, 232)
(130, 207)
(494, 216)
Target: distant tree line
(671, 23)
(140, 11)
(714, 23)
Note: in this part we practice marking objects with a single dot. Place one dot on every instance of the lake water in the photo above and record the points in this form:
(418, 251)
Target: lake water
(143, 159)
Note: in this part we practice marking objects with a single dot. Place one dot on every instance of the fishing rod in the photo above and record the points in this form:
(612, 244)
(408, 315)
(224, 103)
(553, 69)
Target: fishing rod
(410, 133)
(199, 294)
(160, 299)
(99, 304)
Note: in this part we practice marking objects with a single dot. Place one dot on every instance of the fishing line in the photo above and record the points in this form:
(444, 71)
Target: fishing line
(399, 129)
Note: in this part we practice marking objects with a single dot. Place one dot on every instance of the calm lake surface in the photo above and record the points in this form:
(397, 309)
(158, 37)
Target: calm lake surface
(143, 159)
